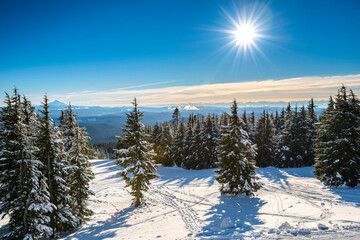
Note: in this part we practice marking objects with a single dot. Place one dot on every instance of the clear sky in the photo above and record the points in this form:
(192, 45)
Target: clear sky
(100, 49)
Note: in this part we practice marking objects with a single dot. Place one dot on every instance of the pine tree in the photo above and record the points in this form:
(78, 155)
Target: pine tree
(264, 140)
(236, 158)
(67, 124)
(283, 154)
(338, 142)
(54, 158)
(209, 135)
(188, 143)
(166, 146)
(175, 118)
(136, 156)
(79, 172)
(29, 198)
(10, 149)
(178, 146)
(311, 120)
(196, 157)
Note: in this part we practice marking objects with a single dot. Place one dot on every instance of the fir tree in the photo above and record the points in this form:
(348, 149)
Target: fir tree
(311, 120)
(54, 158)
(338, 142)
(10, 151)
(264, 140)
(79, 172)
(236, 158)
(178, 146)
(29, 197)
(67, 124)
(196, 157)
(175, 118)
(209, 135)
(165, 146)
(136, 156)
(188, 144)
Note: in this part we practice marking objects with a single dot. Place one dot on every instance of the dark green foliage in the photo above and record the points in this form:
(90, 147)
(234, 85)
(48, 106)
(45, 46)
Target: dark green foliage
(23, 188)
(175, 120)
(311, 120)
(337, 159)
(236, 156)
(264, 140)
(79, 172)
(54, 158)
(136, 156)
(209, 136)
(178, 146)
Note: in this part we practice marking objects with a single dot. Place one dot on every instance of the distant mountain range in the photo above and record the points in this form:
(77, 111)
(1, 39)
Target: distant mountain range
(104, 123)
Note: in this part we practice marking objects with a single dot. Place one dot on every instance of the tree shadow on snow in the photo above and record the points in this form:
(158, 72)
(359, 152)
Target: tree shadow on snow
(181, 176)
(348, 194)
(103, 229)
(242, 211)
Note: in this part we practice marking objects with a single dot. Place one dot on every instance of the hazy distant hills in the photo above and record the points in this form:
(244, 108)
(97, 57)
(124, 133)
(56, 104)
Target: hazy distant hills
(103, 123)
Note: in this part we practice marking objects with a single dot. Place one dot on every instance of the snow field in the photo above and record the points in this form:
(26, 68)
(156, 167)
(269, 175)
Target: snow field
(186, 204)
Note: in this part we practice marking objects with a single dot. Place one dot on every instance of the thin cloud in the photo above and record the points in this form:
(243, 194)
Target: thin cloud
(293, 89)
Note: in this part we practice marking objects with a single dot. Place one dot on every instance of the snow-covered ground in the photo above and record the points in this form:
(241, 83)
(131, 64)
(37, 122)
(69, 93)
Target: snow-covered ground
(184, 204)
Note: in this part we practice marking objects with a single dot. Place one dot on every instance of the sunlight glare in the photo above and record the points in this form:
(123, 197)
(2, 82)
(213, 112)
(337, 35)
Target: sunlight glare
(244, 34)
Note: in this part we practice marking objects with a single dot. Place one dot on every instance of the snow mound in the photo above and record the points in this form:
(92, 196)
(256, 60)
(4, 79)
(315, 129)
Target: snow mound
(285, 226)
(226, 223)
(322, 226)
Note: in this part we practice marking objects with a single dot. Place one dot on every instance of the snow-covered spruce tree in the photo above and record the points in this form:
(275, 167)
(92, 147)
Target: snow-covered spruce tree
(196, 159)
(55, 160)
(166, 145)
(245, 119)
(264, 140)
(29, 197)
(175, 119)
(178, 145)
(337, 160)
(136, 156)
(10, 119)
(283, 153)
(67, 124)
(79, 172)
(311, 120)
(236, 156)
(209, 135)
(161, 138)
(29, 218)
(188, 144)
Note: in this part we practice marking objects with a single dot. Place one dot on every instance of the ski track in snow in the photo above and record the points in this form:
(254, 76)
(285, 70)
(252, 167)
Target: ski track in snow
(186, 204)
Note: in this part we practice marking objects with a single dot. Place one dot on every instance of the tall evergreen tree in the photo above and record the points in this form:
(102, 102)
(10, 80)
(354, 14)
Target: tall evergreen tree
(175, 119)
(136, 156)
(79, 172)
(29, 202)
(196, 158)
(166, 139)
(236, 158)
(338, 142)
(188, 144)
(264, 140)
(311, 120)
(209, 135)
(178, 146)
(10, 151)
(55, 160)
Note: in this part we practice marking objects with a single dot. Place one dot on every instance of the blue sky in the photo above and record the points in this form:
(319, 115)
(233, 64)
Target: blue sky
(61, 47)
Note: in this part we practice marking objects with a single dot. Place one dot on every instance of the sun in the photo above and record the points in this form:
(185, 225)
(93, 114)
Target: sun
(244, 34)
(247, 29)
